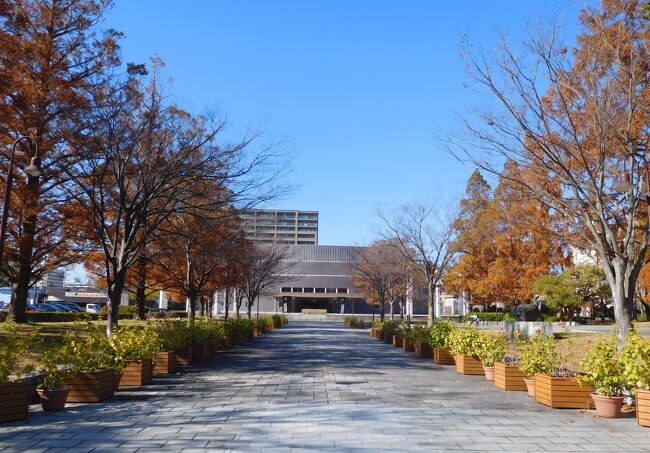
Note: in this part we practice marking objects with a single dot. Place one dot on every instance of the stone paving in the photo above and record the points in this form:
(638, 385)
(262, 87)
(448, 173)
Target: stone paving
(317, 386)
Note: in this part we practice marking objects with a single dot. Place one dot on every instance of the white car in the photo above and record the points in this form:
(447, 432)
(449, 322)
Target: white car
(92, 308)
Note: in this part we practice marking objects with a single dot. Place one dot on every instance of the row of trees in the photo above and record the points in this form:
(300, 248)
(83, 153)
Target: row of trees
(143, 191)
(565, 134)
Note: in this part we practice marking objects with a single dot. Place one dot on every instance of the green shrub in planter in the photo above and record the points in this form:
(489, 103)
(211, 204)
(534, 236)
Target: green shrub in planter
(353, 321)
(173, 334)
(88, 349)
(491, 348)
(13, 348)
(464, 341)
(389, 328)
(419, 334)
(439, 334)
(602, 369)
(635, 361)
(132, 344)
(538, 355)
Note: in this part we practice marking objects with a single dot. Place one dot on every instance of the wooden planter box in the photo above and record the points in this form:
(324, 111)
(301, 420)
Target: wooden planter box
(442, 356)
(257, 332)
(562, 392)
(184, 356)
(643, 407)
(466, 364)
(13, 401)
(199, 350)
(397, 341)
(373, 332)
(407, 345)
(164, 362)
(213, 347)
(137, 373)
(508, 377)
(388, 339)
(90, 387)
(422, 349)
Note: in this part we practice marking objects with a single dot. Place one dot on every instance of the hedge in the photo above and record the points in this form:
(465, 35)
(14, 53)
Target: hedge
(486, 316)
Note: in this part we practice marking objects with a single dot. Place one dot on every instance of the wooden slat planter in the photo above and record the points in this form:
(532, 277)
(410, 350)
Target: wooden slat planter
(184, 356)
(199, 350)
(13, 401)
(137, 373)
(164, 362)
(466, 364)
(257, 331)
(509, 378)
(397, 341)
(213, 346)
(442, 356)
(422, 350)
(388, 339)
(90, 387)
(373, 332)
(561, 392)
(643, 407)
(407, 345)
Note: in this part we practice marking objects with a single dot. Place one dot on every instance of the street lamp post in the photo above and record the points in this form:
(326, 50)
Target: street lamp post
(33, 170)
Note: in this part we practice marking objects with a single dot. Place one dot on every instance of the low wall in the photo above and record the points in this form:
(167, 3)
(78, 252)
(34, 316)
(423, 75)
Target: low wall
(527, 328)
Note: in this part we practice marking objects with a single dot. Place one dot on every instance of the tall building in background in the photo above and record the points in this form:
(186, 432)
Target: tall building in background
(273, 226)
(55, 278)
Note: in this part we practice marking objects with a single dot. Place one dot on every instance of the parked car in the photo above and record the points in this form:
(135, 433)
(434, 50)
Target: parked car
(71, 306)
(34, 307)
(92, 308)
(51, 307)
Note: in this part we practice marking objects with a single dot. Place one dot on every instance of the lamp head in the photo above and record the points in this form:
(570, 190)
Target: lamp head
(34, 168)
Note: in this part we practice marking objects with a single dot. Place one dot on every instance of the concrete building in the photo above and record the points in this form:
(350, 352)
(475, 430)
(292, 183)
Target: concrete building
(281, 226)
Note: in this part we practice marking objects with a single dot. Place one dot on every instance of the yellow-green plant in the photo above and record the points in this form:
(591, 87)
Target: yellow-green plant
(132, 344)
(538, 355)
(464, 341)
(439, 333)
(52, 365)
(491, 348)
(88, 349)
(13, 351)
(603, 371)
(173, 333)
(419, 334)
(635, 361)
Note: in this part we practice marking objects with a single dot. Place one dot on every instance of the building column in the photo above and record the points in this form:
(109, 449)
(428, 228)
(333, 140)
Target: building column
(162, 299)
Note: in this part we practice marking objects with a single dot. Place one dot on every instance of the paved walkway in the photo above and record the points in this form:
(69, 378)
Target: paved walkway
(320, 387)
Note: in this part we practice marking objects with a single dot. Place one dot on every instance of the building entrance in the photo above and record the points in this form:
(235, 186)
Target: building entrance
(298, 304)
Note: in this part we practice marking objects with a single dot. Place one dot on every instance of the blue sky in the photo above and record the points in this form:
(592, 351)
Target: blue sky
(358, 91)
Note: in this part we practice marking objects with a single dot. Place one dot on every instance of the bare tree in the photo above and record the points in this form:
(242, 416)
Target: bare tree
(379, 270)
(140, 161)
(576, 121)
(267, 266)
(424, 238)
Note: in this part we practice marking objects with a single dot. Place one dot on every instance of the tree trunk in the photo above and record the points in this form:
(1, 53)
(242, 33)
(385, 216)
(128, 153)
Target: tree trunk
(114, 291)
(191, 314)
(249, 308)
(430, 294)
(25, 251)
(392, 316)
(226, 300)
(382, 305)
(622, 282)
(140, 292)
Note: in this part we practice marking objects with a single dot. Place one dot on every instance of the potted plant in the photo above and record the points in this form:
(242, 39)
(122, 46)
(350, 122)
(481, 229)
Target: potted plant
(538, 355)
(171, 338)
(92, 359)
(388, 329)
(200, 336)
(603, 372)
(490, 349)
(13, 392)
(420, 340)
(260, 327)
(439, 342)
(407, 336)
(635, 363)
(463, 344)
(134, 348)
(51, 390)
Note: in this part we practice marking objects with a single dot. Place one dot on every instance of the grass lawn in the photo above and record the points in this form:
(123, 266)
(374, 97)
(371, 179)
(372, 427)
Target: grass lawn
(58, 329)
